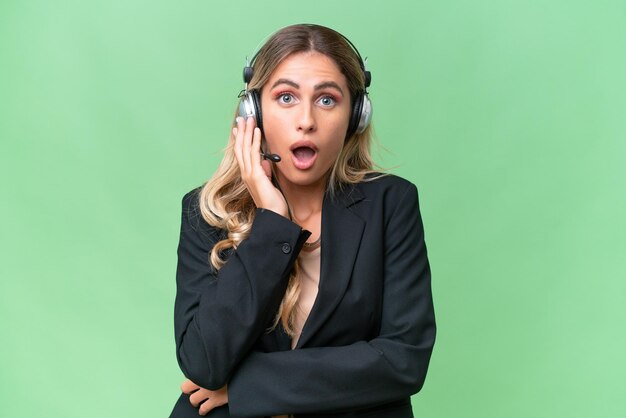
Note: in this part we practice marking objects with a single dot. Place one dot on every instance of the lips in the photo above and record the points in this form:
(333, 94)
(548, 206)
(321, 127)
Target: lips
(303, 154)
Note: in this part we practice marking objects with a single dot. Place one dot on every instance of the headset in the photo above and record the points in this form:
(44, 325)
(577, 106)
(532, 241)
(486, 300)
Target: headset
(250, 100)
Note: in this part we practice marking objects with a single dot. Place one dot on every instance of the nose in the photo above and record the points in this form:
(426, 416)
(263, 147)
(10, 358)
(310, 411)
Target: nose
(306, 121)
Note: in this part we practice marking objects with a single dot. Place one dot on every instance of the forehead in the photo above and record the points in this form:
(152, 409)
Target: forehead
(308, 67)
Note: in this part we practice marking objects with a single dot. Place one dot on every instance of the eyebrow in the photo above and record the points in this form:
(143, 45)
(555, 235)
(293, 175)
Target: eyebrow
(319, 86)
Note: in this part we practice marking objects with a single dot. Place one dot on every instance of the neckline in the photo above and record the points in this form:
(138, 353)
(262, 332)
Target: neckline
(313, 245)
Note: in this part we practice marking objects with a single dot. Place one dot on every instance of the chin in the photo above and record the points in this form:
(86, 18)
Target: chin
(305, 178)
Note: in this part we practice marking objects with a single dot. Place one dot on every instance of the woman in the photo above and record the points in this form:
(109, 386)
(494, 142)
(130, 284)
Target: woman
(303, 286)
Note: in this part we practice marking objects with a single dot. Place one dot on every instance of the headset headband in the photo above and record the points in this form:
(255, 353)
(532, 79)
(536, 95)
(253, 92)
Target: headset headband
(247, 71)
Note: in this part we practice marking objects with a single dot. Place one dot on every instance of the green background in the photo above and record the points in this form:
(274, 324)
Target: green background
(508, 115)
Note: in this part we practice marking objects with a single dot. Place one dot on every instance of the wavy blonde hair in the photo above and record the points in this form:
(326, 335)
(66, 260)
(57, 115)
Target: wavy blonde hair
(224, 199)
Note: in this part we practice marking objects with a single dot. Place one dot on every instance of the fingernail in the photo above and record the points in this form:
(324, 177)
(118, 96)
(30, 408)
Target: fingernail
(238, 119)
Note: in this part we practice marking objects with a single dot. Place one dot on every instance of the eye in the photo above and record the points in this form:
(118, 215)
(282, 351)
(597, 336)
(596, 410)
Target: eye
(285, 98)
(327, 101)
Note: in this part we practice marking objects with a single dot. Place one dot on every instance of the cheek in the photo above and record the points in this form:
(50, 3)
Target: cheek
(333, 150)
(338, 133)
(274, 133)
(335, 138)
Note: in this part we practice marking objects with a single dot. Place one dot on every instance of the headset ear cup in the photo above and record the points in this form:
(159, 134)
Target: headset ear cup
(356, 115)
(250, 105)
(246, 108)
(255, 98)
(366, 114)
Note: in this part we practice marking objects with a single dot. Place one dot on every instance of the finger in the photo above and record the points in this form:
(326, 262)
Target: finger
(188, 386)
(197, 397)
(206, 407)
(233, 135)
(247, 144)
(256, 147)
(238, 133)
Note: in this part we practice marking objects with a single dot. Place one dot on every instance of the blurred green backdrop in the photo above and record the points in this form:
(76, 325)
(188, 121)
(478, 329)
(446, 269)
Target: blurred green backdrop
(508, 115)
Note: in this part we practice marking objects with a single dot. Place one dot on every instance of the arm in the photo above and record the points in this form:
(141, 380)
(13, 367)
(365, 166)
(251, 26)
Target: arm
(219, 315)
(387, 368)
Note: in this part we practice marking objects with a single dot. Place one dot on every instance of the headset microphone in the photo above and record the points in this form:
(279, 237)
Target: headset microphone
(275, 158)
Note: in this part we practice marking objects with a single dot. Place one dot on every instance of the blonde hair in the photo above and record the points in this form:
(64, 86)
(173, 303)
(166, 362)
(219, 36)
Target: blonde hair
(224, 199)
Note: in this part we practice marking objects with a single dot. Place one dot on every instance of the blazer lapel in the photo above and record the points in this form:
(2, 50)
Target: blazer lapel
(341, 237)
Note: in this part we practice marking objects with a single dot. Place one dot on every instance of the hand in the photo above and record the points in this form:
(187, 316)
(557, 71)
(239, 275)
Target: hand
(212, 398)
(256, 173)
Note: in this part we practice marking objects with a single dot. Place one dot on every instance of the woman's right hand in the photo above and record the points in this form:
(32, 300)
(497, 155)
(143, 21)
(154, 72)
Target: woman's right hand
(204, 399)
(255, 172)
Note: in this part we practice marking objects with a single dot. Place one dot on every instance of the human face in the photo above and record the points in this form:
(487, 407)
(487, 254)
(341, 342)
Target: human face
(306, 110)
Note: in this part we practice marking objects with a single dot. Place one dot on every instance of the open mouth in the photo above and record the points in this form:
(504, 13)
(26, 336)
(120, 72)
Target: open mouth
(303, 154)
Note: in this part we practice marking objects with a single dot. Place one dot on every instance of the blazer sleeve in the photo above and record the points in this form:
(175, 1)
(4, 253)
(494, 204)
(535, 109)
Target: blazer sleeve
(218, 315)
(366, 373)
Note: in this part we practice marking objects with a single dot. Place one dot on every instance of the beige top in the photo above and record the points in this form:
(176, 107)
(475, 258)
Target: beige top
(310, 259)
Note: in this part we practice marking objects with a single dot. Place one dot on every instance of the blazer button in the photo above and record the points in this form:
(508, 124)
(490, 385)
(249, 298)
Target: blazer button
(286, 248)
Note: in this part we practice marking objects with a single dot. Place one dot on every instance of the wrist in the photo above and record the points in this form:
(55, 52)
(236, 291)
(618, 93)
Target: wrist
(277, 210)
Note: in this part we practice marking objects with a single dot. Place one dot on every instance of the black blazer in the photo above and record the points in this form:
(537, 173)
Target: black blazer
(366, 344)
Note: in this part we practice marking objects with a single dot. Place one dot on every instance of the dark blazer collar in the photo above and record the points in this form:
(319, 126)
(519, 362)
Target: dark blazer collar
(342, 230)
(347, 196)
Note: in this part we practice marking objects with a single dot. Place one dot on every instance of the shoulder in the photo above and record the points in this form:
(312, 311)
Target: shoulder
(391, 201)
(387, 186)
(191, 205)
(192, 219)
(191, 199)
